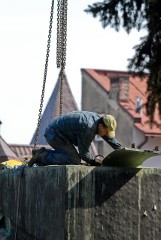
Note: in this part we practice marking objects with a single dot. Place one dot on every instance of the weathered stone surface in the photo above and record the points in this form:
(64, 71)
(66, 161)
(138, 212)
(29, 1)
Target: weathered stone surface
(83, 203)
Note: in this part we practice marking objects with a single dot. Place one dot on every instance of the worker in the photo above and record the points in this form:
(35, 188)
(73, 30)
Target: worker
(72, 131)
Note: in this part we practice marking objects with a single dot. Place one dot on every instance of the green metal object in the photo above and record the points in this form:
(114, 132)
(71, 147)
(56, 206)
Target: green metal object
(128, 157)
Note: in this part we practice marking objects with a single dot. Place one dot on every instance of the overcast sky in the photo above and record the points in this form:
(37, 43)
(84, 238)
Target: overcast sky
(24, 28)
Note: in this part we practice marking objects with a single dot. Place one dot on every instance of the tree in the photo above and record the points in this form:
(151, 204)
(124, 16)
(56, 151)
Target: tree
(138, 14)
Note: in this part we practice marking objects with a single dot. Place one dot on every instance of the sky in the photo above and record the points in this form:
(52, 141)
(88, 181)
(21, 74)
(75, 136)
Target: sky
(24, 26)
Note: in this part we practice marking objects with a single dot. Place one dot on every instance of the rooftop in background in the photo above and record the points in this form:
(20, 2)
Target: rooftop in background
(52, 109)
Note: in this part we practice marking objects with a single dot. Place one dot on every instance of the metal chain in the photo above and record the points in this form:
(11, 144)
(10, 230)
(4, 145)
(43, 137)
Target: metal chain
(45, 73)
(58, 36)
(61, 44)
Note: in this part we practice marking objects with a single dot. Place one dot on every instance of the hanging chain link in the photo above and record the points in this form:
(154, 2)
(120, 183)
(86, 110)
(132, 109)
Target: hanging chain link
(58, 49)
(45, 73)
(61, 44)
(61, 54)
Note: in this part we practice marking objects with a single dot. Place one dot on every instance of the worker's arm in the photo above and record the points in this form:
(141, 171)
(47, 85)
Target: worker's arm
(113, 142)
(84, 153)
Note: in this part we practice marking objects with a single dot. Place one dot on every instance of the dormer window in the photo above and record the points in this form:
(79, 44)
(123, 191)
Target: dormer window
(119, 88)
(138, 105)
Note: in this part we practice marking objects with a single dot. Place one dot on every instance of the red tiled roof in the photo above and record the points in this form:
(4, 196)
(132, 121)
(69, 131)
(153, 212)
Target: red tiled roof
(137, 88)
(100, 78)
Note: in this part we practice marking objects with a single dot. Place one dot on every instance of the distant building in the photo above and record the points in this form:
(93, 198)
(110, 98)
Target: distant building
(124, 96)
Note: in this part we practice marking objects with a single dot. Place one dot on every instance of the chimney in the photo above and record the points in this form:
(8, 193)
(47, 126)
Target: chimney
(119, 88)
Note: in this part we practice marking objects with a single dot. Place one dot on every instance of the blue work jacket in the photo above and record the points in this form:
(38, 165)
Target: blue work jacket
(80, 128)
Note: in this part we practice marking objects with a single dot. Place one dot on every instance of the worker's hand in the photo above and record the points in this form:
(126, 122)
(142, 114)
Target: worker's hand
(99, 159)
(96, 162)
(84, 163)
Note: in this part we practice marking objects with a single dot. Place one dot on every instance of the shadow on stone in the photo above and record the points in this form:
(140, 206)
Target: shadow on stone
(99, 185)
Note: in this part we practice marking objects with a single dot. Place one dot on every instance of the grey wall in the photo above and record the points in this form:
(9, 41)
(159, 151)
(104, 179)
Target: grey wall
(93, 96)
(83, 203)
(96, 99)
